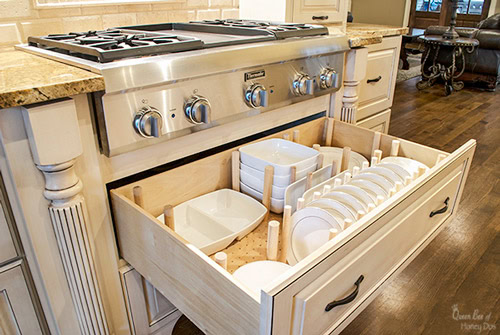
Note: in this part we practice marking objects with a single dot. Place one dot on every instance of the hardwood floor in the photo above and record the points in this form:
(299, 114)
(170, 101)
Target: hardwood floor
(462, 265)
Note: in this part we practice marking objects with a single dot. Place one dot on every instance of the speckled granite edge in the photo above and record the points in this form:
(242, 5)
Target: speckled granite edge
(359, 41)
(50, 92)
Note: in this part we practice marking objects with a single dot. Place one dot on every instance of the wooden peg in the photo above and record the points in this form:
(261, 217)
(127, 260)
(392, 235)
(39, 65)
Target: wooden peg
(376, 142)
(285, 236)
(329, 133)
(365, 165)
(138, 198)
(355, 171)
(347, 223)
(316, 147)
(395, 147)
(268, 186)
(373, 161)
(337, 182)
(371, 207)
(407, 180)
(399, 186)
(378, 154)
(414, 175)
(332, 233)
(334, 170)
(316, 195)
(347, 177)
(309, 180)
(235, 170)
(346, 157)
(273, 231)
(301, 202)
(221, 259)
(392, 191)
(286, 137)
(296, 136)
(380, 200)
(168, 214)
(327, 189)
(421, 170)
(293, 174)
(439, 158)
(360, 214)
(321, 158)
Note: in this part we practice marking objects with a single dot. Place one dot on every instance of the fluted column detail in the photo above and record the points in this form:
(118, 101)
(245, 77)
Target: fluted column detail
(69, 217)
(350, 102)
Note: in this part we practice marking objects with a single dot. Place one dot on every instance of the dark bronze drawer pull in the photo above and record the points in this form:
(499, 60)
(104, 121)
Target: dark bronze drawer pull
(323, 17)
(347, 299)
(375, 80)
(442, 210)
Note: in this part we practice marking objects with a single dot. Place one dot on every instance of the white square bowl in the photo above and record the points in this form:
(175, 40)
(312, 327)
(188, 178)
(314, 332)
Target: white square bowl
(212, 221)
(279, 153)
(276, 204)
(258, 185)
(279, 181)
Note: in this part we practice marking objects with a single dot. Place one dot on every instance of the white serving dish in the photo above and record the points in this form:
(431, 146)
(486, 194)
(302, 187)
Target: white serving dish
(258, 185)
(279, 153)
(334, 154)
(280, 181)
(276, 204)
(257, 275)
(212, 221)
(310, 229)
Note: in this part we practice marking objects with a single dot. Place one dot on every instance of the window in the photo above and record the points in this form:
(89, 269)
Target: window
(433, 6)
(473, 7)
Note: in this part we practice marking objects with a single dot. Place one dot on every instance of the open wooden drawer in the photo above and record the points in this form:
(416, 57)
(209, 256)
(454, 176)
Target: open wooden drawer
(378, 246)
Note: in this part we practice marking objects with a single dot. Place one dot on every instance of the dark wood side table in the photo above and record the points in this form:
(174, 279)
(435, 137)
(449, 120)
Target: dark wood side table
(411, 37)
(432, 69)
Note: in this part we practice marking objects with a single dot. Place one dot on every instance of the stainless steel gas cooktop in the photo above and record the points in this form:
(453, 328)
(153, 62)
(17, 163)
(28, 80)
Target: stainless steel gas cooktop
(172, 79)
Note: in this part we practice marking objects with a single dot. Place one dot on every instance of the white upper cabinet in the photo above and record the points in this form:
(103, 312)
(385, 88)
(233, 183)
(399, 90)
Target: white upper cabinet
(299, 11)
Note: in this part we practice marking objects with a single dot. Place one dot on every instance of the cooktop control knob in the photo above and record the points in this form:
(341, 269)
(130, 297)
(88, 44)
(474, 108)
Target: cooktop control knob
(257, 96)
(303, 85)
(197, 110)
(148, 122)
(327, 78)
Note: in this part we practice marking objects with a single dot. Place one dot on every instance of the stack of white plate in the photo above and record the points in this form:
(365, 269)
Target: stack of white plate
(282, 155)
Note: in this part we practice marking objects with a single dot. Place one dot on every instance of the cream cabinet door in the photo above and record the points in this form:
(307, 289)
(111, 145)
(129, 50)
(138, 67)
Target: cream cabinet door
(319, 11)
(7, 249)
(17, 314)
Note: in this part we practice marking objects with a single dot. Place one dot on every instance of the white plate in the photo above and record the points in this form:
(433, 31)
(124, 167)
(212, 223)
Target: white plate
(353, 204)
(258, 185)
(384, 172)
(296, 190)
(212, 221)
(371, 188)
(331, 154)
(276, 204)
(257, 275)
(375, 178)
(397, 169)
(279, 153)
(310, 230)
(280, 181)
(356, 192)
(409, 164)
(336, 208)
(308, 195)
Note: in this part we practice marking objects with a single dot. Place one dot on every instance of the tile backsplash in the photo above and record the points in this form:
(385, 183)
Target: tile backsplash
(22, 18)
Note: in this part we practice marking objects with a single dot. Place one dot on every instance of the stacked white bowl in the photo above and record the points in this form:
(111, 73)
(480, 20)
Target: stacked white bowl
(282, 155)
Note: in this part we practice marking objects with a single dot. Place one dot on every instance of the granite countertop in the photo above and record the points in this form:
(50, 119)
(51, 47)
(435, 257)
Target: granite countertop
(361, 34)
(27, 79)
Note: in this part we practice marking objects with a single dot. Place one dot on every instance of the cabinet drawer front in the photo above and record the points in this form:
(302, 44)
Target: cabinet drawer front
(377, 88)
(373, 259)
(378, 122)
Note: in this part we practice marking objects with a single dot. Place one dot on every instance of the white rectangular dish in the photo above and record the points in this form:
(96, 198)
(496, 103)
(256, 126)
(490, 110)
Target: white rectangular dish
(280, 181)
(258, 185)
(279, 153)
(276, 204)
(211, 222)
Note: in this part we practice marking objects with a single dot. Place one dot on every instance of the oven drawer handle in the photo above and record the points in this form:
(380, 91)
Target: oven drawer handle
(323, 17)
(374, 80)
(442, 210)
(347, 299)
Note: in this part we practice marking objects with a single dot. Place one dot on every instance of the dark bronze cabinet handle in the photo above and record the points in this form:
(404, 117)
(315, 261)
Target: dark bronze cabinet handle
(442, 210)
(347, 299)
(323, 17)
(375, 80)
